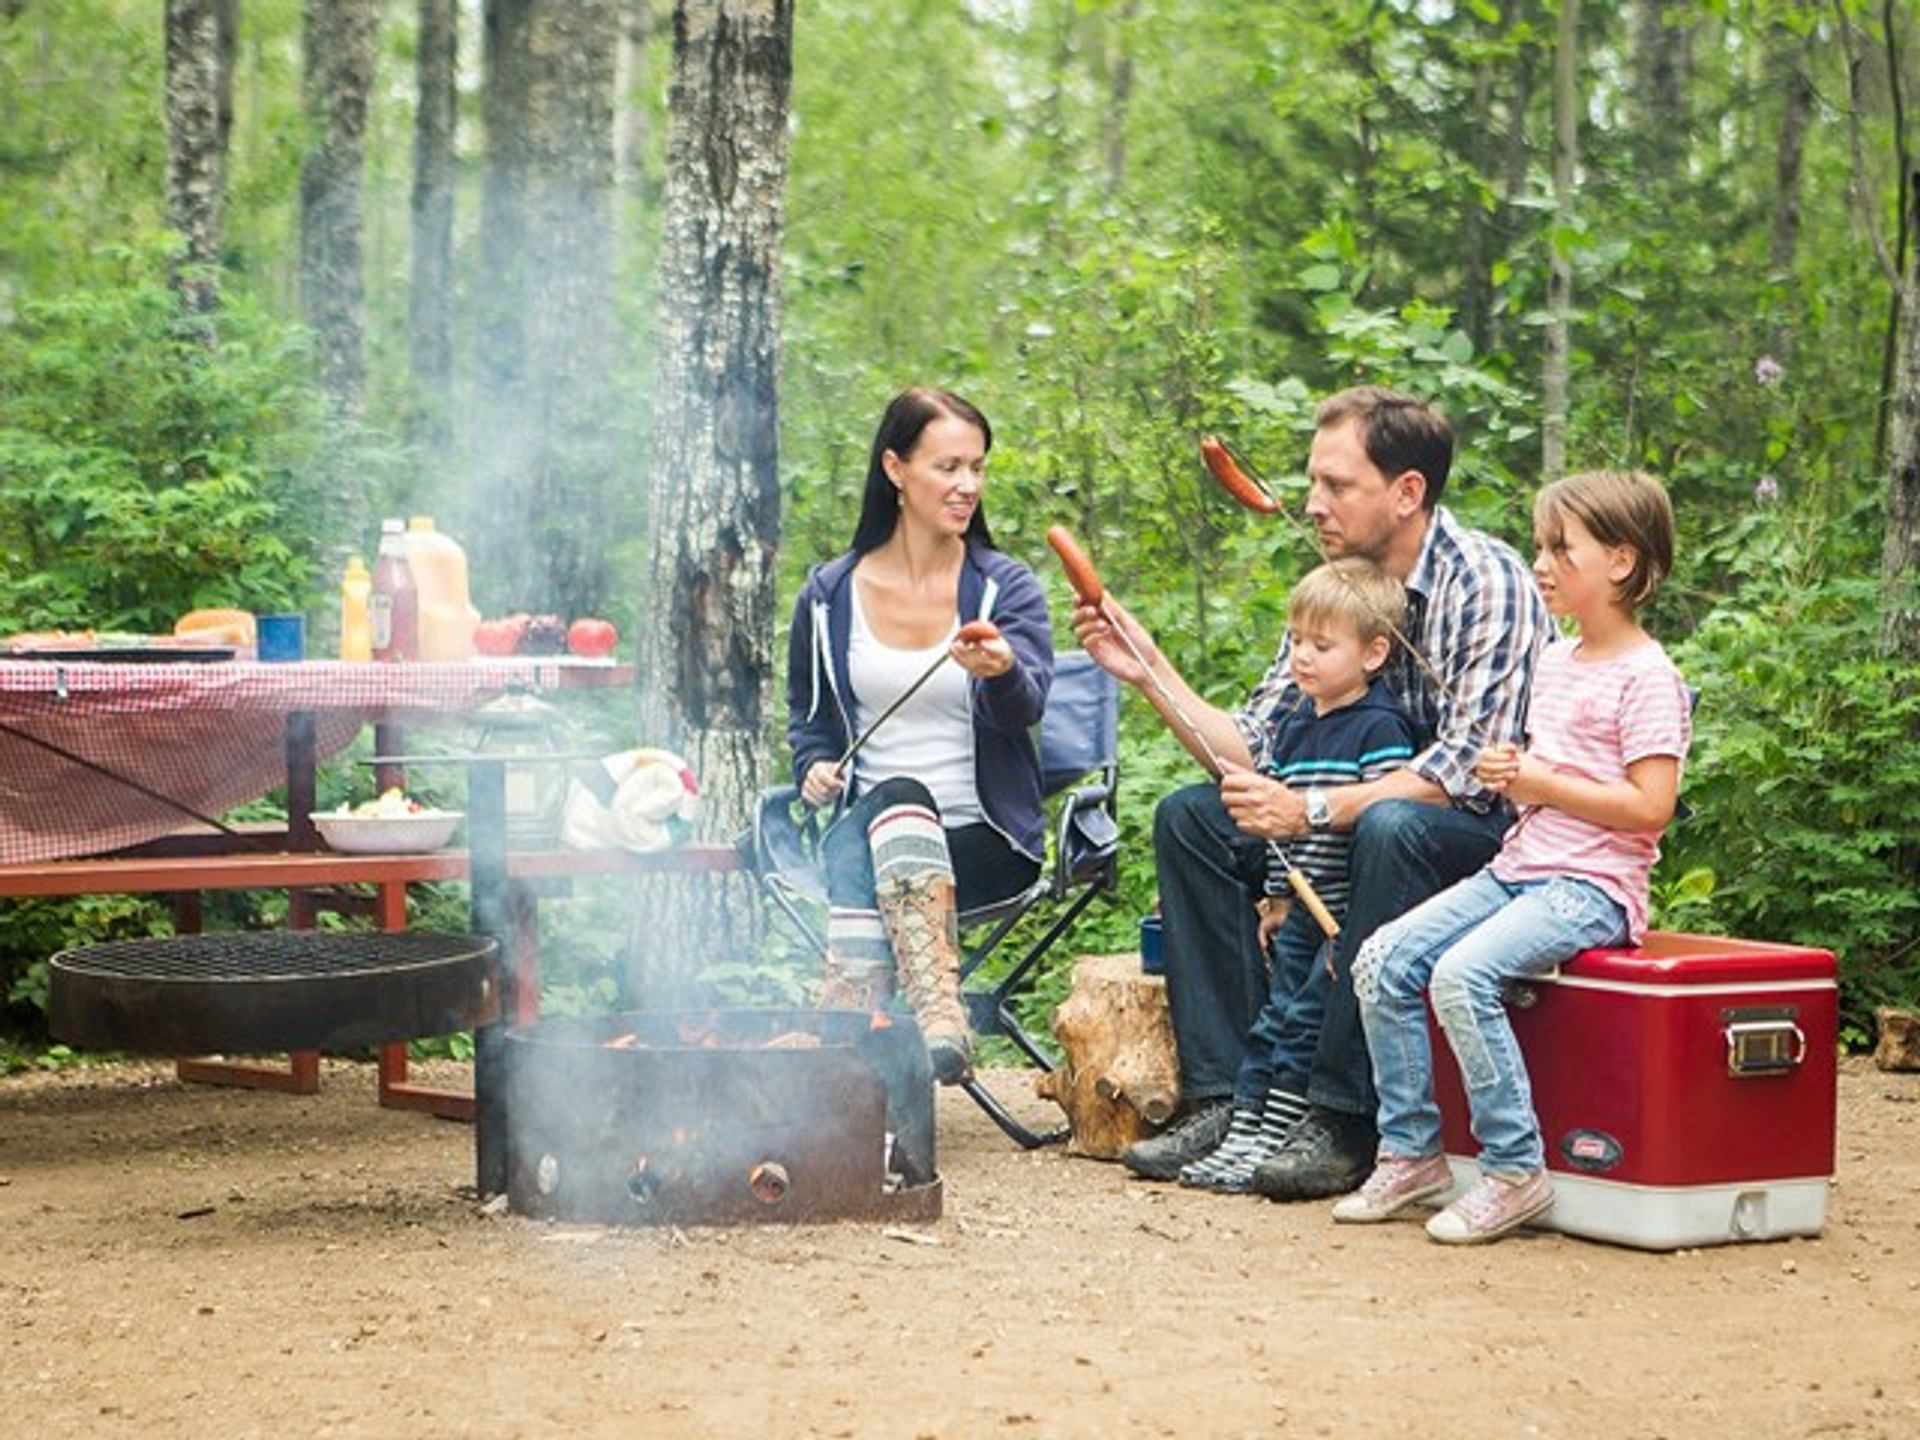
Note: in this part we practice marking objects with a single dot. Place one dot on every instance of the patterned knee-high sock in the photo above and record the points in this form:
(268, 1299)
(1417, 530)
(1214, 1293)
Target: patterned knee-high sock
(858, 973)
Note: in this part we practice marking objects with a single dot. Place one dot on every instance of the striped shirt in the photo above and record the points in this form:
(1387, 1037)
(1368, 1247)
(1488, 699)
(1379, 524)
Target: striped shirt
(1475, 613)
(1357, 742)
(1594, 719)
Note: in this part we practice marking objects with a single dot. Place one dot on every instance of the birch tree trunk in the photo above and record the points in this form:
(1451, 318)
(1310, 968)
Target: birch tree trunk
(337, 42)
(195, 160)
(430, 297)
(1900, 555)
(706, 654)
(1566, 139)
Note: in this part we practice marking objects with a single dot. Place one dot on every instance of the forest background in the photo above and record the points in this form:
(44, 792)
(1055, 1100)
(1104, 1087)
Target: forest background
(1675, 234)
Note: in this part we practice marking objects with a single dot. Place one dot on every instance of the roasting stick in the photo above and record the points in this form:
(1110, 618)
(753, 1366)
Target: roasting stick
(1240, 480)
(1086, 584)
(974, 632)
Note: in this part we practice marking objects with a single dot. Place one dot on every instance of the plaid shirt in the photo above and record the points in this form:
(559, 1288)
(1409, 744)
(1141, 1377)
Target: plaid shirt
(1475, 613)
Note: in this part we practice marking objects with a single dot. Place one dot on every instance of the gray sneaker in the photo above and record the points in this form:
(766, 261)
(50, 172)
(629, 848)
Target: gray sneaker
(1497, 1204)
(1188, 1139)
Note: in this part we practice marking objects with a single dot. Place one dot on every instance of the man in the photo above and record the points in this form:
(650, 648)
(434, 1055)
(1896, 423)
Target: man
(1376, 470)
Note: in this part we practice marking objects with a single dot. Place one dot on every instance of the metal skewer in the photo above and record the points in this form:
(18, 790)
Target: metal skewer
(878, 720)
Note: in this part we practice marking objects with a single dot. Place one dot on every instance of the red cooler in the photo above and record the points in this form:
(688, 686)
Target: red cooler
(1685, 1090)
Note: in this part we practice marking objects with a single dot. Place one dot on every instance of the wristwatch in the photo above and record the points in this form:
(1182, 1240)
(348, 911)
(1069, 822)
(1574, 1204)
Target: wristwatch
(1319, 813)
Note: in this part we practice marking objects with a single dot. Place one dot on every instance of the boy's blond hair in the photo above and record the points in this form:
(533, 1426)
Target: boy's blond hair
(1350, 591)
(1617, 507)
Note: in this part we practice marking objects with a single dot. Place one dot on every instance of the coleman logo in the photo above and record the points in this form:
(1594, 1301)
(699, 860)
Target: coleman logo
(1590, 1150)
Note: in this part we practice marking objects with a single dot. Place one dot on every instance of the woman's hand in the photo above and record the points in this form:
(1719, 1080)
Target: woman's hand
(1094, 627)
(982, 656)
(822, 784)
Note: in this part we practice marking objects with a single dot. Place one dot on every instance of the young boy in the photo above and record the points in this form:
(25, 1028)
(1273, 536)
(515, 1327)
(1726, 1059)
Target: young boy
(1344, 728)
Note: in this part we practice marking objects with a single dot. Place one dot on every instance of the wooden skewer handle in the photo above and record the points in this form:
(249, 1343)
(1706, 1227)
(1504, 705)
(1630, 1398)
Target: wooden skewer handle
(1309, 897)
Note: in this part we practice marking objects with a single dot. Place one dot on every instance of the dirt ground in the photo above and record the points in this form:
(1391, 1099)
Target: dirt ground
(187, 1261)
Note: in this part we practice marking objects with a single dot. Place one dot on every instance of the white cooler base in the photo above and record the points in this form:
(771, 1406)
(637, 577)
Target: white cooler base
(1672, 1217)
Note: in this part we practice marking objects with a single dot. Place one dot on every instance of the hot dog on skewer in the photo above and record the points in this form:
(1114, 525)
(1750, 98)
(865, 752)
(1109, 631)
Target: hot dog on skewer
(1080, 572)
(1232, 479)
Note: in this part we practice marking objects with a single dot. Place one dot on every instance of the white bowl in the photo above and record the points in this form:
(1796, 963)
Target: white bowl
(388, 834)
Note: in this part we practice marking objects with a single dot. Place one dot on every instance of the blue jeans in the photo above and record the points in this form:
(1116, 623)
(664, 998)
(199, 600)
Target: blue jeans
(1281, 1044)
(1465, 943)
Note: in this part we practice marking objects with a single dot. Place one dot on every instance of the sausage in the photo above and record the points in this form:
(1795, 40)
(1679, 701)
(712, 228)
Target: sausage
(978, 632)
(1220, 463)
(1080, 572)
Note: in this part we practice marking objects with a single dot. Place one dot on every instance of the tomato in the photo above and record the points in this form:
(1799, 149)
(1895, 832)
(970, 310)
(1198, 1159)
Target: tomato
(590, 639)
(499, 637)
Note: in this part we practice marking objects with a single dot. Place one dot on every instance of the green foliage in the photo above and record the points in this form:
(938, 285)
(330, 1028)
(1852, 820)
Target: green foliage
(143, 472)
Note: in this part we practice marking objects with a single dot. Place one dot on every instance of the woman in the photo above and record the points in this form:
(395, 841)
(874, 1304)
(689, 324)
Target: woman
(945, 795)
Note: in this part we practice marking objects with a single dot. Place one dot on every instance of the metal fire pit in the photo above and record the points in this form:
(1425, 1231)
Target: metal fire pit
(720, 1117)
(271, 991)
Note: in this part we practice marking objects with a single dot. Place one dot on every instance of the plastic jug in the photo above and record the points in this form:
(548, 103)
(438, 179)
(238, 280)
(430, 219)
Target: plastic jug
(394, 608)
(356, 617)
(439, 569)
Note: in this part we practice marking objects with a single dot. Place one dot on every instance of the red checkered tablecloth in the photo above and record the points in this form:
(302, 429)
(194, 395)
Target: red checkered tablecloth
(209, 736)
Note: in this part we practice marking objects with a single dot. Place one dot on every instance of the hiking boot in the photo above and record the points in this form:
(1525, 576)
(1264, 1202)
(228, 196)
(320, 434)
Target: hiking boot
(919, 915)
(1497, 1204)
(1329, 1153)
(1395, 1184)
(845, 985)
(1190, 1138)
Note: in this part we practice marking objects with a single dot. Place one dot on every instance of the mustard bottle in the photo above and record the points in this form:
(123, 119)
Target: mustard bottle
(356, 620)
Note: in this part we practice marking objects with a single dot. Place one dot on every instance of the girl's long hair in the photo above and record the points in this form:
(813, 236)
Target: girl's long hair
(907, 414)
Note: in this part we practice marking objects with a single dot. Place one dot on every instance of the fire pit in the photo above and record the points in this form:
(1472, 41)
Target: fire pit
(720, 1117)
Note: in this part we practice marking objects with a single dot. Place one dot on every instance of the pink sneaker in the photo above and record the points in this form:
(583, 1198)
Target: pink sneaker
(1395, 1184)
(1497, 1204)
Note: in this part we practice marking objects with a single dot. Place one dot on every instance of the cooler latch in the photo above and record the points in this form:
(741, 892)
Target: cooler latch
(1763, 1040)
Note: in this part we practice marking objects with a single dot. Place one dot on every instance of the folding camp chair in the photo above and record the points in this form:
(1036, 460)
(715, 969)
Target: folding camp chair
(1079, 741)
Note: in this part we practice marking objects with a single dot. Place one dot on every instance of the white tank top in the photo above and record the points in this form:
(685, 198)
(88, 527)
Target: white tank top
(930, 738)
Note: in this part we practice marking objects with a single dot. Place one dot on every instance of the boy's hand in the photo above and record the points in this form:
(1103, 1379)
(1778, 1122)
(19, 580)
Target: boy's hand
(1273, 914)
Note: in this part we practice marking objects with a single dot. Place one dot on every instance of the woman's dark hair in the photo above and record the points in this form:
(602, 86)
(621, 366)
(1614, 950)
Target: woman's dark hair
(909, 413)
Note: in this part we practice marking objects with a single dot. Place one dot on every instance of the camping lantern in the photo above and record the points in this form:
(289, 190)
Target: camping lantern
(518, 726)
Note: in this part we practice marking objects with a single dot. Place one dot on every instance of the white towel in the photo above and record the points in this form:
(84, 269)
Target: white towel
(655, 800)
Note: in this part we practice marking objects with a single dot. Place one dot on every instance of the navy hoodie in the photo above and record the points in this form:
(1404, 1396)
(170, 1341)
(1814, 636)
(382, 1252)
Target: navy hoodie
(1006, 767)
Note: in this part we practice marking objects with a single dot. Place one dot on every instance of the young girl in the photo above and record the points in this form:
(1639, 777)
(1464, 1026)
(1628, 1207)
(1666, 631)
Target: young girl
(1608, 728)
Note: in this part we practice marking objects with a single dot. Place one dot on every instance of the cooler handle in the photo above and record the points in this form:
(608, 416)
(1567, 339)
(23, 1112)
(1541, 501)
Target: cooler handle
(1764, 1047)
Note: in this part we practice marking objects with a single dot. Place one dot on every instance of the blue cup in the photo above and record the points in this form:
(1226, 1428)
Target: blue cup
(1152, 961)
(281, 637)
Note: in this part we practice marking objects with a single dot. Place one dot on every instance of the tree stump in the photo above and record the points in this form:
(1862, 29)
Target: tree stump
(1120, 1078)
(1899, 1047)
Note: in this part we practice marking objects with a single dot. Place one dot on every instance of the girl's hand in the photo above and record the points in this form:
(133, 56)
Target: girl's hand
(822, 783)
(1497, 766)
(982, 658)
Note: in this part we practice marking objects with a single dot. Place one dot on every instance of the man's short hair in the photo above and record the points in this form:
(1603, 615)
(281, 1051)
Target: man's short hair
(1400, 432)
(1351, 591)
(1617, 507)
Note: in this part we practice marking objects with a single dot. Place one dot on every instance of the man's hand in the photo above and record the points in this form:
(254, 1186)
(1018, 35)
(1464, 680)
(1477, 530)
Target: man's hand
(823, 781)
(1261, 805)
(1095, 631)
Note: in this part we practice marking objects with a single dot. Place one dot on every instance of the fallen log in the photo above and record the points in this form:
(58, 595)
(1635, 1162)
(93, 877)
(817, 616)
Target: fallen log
(1120, 1079)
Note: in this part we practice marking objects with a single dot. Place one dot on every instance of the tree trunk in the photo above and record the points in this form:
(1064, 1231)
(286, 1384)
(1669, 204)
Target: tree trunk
(1900, 555)
(338, 50)
(1120, 1077)
(1119, 31)
(1662, 60)
(1566, 139)
(544, 424)
(195, 158)
(1790, 67)
(713, 477)
(430, 299)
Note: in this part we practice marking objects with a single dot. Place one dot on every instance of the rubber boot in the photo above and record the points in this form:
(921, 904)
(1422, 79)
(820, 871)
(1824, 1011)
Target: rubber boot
(919, 916)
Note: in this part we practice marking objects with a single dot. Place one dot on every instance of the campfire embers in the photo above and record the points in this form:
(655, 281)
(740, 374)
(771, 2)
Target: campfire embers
(721, 1117)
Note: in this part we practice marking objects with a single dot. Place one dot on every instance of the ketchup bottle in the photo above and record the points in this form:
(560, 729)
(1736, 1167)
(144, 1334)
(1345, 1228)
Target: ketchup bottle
(394, 606)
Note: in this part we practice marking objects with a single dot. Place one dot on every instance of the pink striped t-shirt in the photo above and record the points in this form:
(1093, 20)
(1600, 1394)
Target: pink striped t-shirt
(1594, 719)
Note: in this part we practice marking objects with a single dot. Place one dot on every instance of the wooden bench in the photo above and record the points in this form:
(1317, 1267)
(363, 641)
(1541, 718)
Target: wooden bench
(306, 876)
